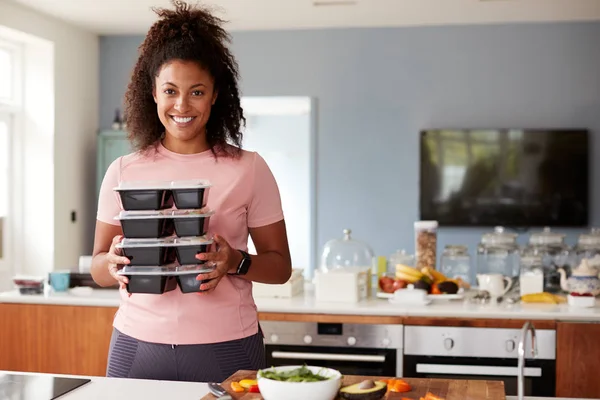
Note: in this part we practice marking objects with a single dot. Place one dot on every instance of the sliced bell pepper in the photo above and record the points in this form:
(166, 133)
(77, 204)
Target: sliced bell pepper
(236, 387)
(253, 389)
(246, 383)
(399, 386)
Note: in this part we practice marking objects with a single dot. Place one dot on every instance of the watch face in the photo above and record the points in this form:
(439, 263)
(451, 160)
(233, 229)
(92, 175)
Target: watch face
(245, 264)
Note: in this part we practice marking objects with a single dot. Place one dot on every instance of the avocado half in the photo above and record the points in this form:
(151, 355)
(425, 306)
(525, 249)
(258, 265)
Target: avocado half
(365, 390)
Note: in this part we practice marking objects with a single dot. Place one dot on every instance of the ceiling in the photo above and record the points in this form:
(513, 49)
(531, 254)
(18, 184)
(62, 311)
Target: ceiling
(135, 16)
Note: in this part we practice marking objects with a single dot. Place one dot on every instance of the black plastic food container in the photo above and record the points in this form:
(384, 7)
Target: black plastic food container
(145, 195)
(188, 284)
(190, 194)
(149, 280)
(144, 252)
(191, 223)
(146, 225)
(186, 250)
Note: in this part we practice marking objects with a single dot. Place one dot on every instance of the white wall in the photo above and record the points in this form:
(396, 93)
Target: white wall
(72, 150)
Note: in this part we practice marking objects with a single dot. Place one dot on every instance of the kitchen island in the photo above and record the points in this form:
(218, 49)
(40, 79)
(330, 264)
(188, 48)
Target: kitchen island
(77, 326)
(101, 388)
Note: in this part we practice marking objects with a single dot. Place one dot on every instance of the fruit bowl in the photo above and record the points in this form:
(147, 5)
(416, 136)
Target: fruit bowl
(283, 383)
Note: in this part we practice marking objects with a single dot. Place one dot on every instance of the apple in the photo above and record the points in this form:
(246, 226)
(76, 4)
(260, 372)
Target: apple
(386, 284)
(399, 284)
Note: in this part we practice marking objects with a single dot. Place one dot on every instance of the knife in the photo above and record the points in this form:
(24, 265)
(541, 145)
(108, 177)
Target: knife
(218, 391)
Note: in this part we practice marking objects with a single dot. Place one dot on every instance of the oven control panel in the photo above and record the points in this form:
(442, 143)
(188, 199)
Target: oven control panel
(333, 334)
(475, 342)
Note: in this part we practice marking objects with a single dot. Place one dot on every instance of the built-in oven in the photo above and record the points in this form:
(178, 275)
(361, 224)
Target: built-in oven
(353, 349)
(480, 353)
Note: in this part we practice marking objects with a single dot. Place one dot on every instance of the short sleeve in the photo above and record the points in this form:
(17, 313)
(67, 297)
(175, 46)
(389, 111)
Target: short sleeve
(109, 205)
(265, 200)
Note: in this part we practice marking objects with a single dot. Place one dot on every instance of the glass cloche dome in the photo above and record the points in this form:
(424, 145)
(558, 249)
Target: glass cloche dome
(346, 253)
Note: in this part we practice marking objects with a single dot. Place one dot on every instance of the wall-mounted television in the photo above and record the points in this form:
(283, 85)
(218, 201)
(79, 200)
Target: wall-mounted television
(508, 177)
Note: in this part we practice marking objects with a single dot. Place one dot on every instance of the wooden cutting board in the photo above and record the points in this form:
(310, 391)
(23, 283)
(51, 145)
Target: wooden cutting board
(447, 389)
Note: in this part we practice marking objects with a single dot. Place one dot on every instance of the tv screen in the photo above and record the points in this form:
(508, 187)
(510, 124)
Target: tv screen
(509, 177)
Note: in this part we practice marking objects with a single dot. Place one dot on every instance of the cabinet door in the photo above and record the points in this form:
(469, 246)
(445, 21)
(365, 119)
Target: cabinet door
(577, 360)
(110, 147)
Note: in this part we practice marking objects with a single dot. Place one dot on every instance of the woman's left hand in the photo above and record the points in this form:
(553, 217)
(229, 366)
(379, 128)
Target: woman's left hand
(225, 258)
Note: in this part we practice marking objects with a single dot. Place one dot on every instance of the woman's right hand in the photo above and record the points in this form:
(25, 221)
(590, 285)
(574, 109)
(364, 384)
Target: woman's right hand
(116, 261)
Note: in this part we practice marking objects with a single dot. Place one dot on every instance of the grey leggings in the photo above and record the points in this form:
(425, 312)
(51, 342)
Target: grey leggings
(215, 362)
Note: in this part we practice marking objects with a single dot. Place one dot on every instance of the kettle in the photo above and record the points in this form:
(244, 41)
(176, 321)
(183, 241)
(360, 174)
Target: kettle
(583, 280)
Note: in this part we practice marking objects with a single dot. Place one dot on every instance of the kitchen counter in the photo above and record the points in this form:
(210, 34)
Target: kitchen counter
(371, 307)
(101, 388)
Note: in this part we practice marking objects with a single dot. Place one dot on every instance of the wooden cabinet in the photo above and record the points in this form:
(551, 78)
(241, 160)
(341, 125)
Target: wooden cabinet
(55, 339)
(577, 360)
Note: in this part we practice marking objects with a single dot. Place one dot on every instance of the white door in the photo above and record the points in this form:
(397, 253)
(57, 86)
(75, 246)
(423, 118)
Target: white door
(5, 195)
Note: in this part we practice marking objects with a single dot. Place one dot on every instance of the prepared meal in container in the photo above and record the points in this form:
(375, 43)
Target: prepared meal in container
(187, 248)
(145, 195)
(29, 284)
(191, 222)
(190, 194)
(158, 280)
(145, 224)
(148, 252)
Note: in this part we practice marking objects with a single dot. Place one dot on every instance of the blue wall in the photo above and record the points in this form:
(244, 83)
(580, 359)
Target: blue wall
(376, 88)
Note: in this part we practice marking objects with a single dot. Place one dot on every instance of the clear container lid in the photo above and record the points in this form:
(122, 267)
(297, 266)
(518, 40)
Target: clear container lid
(346, 253)
(499, 238)
(165, 271)
(403, 258)
(547, 238)
(163, 242)
(144, 214)
(591, 239)
(455, 250)
(163, 185)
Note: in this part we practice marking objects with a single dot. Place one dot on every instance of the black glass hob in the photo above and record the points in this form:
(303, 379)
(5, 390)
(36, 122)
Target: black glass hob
(36, 387)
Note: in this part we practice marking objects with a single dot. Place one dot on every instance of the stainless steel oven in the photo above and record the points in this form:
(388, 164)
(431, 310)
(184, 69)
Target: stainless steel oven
(480, 353)
(353, 349)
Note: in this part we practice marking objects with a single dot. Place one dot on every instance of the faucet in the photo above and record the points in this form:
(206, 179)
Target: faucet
(528, 326)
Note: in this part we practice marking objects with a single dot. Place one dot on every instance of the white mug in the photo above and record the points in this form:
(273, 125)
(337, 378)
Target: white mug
(494, 284)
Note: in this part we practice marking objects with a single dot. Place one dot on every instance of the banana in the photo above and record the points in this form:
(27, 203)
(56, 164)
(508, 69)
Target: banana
(408, 271)
(543, 297)
(406, 277)
(435, 275)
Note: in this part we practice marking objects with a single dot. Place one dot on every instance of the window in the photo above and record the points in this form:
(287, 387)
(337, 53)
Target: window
(10, 85)
(4, 186)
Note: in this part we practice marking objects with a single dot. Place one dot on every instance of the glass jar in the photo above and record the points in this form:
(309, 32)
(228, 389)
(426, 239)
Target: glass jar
(588, 246)
(426, 244)
(399, 257)
(554, 253)
(346, 253)
(531, 276)
(456, 263)
(498, 253)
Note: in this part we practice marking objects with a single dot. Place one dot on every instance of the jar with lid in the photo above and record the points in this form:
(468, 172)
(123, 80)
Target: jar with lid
(456, 263)
(399, 257)
(426, 244)
(554, 253)
(588, 246)
(531, 276)
(498, 253)
(345, 271)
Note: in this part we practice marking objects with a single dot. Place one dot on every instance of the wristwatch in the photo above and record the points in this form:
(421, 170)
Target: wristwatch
(244, 266)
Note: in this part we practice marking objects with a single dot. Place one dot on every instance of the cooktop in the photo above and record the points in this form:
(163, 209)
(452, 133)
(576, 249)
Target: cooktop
(36, 387)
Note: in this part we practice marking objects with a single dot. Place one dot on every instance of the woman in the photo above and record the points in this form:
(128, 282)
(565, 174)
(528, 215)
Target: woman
(184, 117)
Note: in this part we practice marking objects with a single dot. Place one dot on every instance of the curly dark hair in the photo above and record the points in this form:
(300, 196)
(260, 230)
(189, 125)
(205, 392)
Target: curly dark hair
(189, 33)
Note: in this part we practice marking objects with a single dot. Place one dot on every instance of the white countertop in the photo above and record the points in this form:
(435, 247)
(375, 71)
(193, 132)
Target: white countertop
(306, 304)
(101, 388)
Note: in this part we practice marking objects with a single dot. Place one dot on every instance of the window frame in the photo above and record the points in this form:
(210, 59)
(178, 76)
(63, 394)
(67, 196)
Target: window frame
(14, 103)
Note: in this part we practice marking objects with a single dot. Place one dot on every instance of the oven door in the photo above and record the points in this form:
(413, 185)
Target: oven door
(349, 361)
(539, 374)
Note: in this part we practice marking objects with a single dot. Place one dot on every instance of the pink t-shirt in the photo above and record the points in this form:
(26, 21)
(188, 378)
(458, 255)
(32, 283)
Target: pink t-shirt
(244, 194)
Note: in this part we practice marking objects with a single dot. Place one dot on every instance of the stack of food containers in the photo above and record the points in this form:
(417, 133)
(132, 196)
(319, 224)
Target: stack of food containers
(165, 226)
